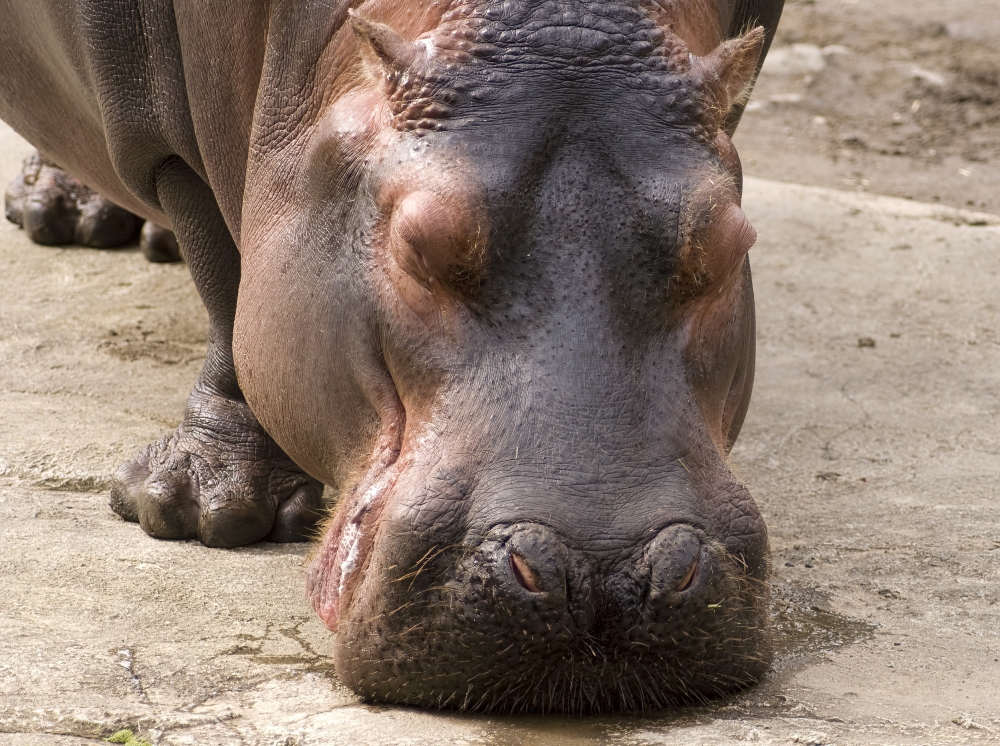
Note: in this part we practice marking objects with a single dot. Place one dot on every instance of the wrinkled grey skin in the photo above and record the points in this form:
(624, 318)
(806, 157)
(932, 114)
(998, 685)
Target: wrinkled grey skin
(491, 285)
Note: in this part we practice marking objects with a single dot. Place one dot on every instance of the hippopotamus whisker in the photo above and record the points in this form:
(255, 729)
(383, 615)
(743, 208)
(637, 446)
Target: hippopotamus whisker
(432, 554)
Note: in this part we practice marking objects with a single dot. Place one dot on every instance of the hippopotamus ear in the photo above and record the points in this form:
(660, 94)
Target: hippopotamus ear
(386, 53)
(727, 73)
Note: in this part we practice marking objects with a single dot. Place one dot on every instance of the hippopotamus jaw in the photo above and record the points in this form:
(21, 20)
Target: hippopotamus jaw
(675, 619)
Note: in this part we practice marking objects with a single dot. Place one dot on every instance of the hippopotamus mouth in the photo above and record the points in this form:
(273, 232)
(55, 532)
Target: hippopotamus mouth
(523, 350)
(518, 616)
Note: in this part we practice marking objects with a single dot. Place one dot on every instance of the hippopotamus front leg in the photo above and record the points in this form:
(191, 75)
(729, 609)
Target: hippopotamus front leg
(56, 209)
(219, 477)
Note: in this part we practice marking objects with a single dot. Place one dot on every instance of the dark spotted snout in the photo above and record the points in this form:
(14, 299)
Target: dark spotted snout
(533, 620)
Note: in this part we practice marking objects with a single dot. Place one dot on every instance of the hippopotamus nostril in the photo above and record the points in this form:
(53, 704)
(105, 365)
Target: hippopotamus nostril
(675, 557)
(523, 574)
(689, 579)
(532, 558)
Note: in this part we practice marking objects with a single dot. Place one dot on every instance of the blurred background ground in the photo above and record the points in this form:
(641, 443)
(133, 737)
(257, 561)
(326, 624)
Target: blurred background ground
(898, 97)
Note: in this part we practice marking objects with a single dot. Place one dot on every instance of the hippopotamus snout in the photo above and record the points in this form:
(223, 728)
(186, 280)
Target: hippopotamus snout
(530, 616)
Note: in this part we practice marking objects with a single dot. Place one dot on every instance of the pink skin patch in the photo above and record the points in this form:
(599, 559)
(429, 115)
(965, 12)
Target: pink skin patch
(524, 574)
(335, 571)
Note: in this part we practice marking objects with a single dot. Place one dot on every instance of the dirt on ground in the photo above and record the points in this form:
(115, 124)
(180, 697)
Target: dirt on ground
(898, 97)
(872, 447)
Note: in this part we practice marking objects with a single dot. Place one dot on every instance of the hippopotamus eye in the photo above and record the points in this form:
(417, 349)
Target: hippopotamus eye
(431, 235)
(724, 244)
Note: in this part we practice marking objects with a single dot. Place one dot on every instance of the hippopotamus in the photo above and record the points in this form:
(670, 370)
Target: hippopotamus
(480, 266)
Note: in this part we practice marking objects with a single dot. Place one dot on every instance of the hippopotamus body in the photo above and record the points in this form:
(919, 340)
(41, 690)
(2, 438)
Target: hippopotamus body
(481, 266)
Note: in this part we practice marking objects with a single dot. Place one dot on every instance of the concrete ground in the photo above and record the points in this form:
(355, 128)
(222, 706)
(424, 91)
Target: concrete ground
(872, 446)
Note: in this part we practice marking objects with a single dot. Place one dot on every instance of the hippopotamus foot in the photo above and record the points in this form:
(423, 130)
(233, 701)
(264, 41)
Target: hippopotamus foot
(159, 244)
(55, 209)
(218, 478)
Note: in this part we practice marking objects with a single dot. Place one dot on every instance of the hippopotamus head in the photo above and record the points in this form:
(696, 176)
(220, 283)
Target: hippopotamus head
(496, 291)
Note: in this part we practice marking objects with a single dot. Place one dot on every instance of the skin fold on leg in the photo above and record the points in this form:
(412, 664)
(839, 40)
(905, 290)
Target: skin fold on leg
(219, 477)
